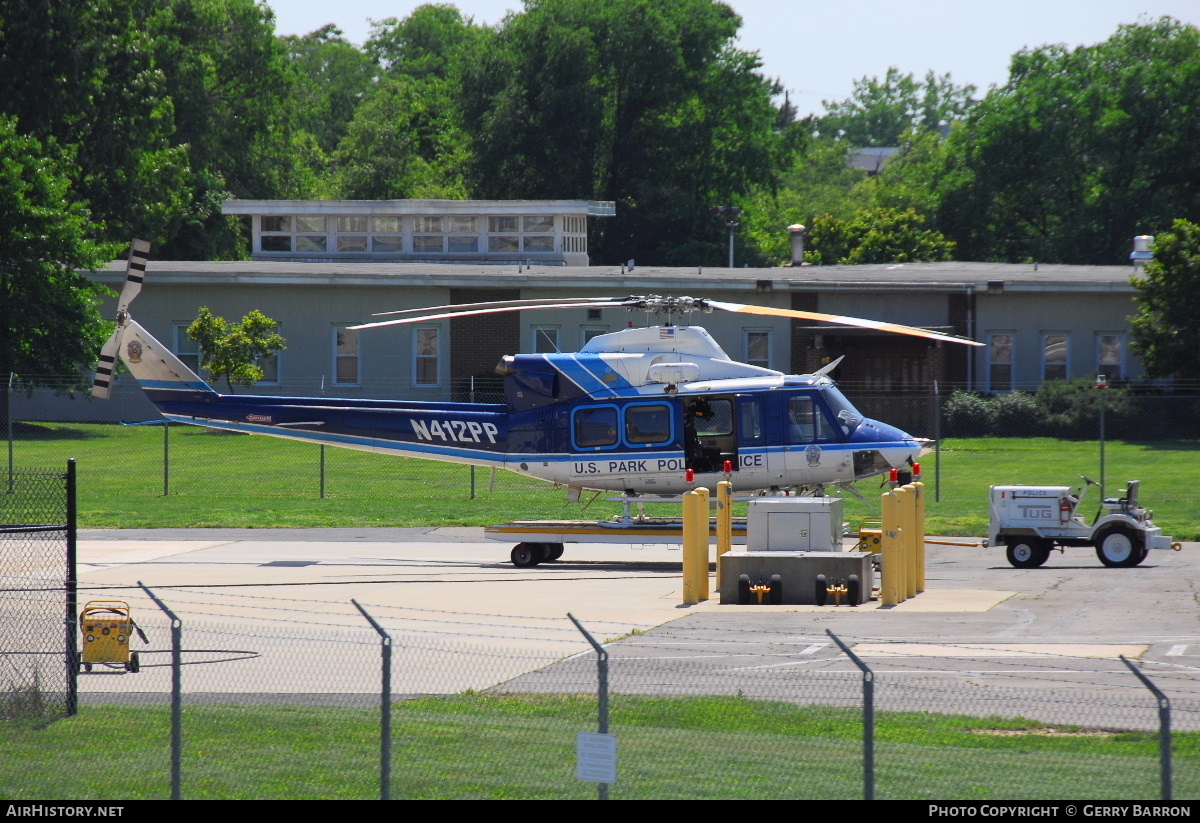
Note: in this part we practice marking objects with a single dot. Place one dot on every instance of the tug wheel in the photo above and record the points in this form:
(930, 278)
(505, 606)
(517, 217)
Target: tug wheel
(1027, 552)
(525, 555)
(854, 588)
(744, 589)
(1120, 547)
(822, 592)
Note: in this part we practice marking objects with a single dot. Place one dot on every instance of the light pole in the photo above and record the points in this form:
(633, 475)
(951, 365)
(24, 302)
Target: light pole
(732, 217)
(1101, 384)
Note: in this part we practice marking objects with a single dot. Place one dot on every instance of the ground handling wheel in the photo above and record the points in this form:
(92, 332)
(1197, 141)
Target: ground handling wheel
(775, 595)
(822, 590)
(1120, 546)
(854, 590)
(525, 555)
(551, 551)
(1027, 552)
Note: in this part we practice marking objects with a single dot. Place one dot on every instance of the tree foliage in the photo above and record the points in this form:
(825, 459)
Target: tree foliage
(232, 351)
(879, 112)
(49, 323)
(876, 235)
(648, 104)
(1166, 334)
(1080, 150)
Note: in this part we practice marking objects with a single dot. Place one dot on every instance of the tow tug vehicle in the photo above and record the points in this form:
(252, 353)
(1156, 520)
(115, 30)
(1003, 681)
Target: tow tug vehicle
(1031, 521)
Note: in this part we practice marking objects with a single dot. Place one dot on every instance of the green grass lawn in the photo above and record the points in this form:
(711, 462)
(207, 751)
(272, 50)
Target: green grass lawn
(475, 746)
(231, 480)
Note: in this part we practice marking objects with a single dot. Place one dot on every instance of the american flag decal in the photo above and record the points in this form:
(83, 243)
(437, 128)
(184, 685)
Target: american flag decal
(666, 333)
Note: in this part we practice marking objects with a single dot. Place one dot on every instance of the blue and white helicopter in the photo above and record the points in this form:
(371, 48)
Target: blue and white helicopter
(642, 411)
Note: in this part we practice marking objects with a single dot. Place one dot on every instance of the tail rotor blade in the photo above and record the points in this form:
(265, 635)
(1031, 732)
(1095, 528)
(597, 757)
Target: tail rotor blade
(107, 365)
(135, 273)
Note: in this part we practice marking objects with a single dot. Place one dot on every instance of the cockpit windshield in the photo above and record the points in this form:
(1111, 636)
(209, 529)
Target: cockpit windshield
(843, 410)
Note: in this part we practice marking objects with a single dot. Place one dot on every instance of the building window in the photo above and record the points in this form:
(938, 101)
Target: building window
(511, 235)
(1000, 362)
(586, 333)
(425, 356)
(757, 344)
(545, 339)
(301, 232)
(1054, 356)
(345, 356)
(186, 349)
(1110, 356)
(877, 373)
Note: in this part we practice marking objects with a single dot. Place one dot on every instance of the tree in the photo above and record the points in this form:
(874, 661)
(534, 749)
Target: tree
(648, 104)
(879, 112)
(333, 77)
(404, 142)
(50, 327)
(232, 351)
(1166, 335)
(877, 235)
(1079, 151)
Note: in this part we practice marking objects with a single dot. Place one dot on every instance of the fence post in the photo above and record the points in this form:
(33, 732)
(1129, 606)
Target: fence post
(937, 443)
(8, 417)
(176, 693)
(601, 691)
(385, 707)
(868, 717)
(166, 458)
(72, 592)
(322, 471)
(1164, 728)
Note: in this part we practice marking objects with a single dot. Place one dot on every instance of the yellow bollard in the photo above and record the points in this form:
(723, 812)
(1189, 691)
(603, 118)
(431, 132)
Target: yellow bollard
(920, 498)
(724, 524)
(702, 543)
(690, 525)
(909, 524)
(889, 591)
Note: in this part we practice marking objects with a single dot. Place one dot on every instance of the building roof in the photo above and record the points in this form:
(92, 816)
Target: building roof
(591, 208)
(951, 276)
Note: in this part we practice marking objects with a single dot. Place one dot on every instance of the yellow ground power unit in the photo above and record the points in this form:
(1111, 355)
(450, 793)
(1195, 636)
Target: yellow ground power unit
(106, 629)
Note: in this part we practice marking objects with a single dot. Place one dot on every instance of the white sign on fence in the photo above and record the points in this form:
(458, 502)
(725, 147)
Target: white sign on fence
(596, 757)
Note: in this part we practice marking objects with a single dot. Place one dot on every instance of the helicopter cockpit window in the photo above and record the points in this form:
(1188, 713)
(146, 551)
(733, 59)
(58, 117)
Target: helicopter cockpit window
(713, 418)
(843, 410)
(595, 428)
(647, 425)
(806, 424)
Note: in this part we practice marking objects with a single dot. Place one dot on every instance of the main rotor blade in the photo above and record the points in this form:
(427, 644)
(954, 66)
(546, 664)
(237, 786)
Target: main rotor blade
(516, 304)
(445, 315)
(135, 273)
(898, 328)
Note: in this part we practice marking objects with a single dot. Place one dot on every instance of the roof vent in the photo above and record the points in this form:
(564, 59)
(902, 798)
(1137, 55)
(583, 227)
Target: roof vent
(1141, 250)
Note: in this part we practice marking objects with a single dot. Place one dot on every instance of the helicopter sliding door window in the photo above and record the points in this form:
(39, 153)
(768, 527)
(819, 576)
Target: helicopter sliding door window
(425, 356)
(1055, 350)
(647, 424)
(345, 356)
(757, 344)
(1000, 362)
(594, 427)
(1110, 356)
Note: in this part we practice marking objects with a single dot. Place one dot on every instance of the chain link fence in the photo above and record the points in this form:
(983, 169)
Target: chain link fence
(37, 544)
(353, 703)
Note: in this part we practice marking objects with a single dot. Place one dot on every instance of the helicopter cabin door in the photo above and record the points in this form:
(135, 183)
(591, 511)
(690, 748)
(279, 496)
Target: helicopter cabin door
(709, 433)
(809, 432)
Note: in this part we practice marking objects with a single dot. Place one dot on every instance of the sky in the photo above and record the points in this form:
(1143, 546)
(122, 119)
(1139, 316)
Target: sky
(818, 49)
